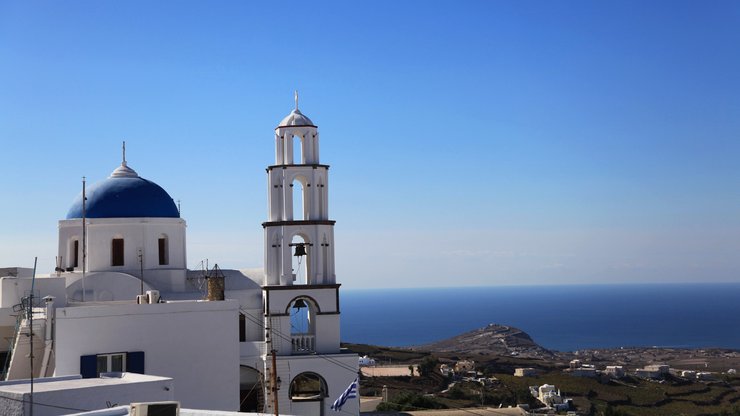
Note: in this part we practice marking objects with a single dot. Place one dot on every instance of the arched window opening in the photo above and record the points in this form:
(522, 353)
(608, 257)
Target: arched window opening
(308, 386)
(250, 390)
(164, 250)
(116, 252)
(74, 253)
(298, 153)
(302, 325)
(300, 199)
(301, 263)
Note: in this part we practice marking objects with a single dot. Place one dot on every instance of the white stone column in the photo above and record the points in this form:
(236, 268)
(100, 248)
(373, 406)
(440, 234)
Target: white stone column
(279, 149)
(286, 278)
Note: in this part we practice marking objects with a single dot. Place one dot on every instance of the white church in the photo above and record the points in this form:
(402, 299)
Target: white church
(123, 300)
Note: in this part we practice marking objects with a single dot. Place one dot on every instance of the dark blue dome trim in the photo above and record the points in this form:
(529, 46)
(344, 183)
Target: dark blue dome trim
(125, 197)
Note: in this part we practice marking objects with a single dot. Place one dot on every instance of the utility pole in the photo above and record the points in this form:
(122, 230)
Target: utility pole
(273, 382)
(141, 268)
(84, 236)
(30, 325)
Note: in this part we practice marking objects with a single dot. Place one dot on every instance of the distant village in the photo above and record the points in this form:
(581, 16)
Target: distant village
(549, 396)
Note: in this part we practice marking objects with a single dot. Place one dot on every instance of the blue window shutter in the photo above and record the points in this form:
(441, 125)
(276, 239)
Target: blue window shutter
(89, 366)
(135, 362)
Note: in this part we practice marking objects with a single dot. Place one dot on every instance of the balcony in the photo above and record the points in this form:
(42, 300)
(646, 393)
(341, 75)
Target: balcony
(303, 343)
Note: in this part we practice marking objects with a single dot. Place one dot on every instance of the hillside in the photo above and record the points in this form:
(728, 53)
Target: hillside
(492, 339)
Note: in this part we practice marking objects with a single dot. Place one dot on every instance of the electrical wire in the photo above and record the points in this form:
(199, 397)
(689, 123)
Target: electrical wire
(352, 370)
(289, 339)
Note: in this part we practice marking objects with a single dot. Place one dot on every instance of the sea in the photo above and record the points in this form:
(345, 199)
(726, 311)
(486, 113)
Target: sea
(557, 317)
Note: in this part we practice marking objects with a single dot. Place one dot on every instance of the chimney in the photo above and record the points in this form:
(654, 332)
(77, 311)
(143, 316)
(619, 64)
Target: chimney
(216, 284)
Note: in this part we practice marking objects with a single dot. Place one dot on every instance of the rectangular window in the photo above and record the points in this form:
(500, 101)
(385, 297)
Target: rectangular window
(117, 252)
(111, 363)
(92, 365)
(76, 253)
(163, 258)
(242, 328)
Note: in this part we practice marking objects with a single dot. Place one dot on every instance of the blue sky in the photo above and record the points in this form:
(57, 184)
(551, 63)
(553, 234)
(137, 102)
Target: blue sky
(471, 143)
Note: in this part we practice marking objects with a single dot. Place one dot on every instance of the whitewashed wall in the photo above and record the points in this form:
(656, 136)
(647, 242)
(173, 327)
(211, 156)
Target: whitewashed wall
(195, 343)
(137, 233)
(338, 372)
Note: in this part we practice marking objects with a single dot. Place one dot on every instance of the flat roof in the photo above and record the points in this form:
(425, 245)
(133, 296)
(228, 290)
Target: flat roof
(76, 382)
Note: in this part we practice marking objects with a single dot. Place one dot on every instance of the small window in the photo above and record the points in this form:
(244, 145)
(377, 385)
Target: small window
(108, 363)
(76, 253)
(163, 252)
(92, 365)
(117, 252)
(242, 328)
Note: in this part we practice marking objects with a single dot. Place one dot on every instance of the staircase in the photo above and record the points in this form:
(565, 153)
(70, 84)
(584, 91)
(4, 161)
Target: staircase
(18, 363)
(11, 343)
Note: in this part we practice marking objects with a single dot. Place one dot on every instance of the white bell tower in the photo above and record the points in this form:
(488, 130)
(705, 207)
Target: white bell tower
(300, 293)
(298, 207)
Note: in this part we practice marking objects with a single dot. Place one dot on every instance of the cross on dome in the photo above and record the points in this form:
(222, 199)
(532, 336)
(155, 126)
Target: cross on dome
(296, 118)
(124, 171)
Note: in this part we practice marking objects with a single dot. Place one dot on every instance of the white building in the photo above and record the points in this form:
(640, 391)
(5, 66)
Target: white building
(366, 361)
(615, 371)
(662, 369)
(122, 298)
(547, 394)
(71, 394)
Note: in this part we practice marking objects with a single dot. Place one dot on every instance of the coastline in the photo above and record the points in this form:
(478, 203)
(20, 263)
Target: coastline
(560, 318)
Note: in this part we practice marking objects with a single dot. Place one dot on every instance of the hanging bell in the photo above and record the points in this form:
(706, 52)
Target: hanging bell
(300, 250)
(300, 303)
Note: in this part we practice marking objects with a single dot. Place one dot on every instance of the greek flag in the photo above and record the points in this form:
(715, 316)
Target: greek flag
(350, 393)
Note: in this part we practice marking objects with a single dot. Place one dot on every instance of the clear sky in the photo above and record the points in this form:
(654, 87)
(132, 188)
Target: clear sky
(471, 143)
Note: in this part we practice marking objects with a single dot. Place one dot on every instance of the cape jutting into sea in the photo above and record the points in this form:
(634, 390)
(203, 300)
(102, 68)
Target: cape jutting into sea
(563, 318)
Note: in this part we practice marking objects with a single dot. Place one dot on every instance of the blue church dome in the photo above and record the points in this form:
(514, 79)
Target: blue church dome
(125, 195)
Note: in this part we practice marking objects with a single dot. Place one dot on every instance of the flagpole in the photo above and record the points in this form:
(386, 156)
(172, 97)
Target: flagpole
(84, 237)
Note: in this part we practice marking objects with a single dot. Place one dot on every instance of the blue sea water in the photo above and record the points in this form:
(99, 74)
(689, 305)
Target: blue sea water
(563, 318)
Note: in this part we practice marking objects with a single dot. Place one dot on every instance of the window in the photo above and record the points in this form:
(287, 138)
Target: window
(117, 252)
(242, 328)
(163, 252)
(92, 365)
(76, 253)
(108, 363)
